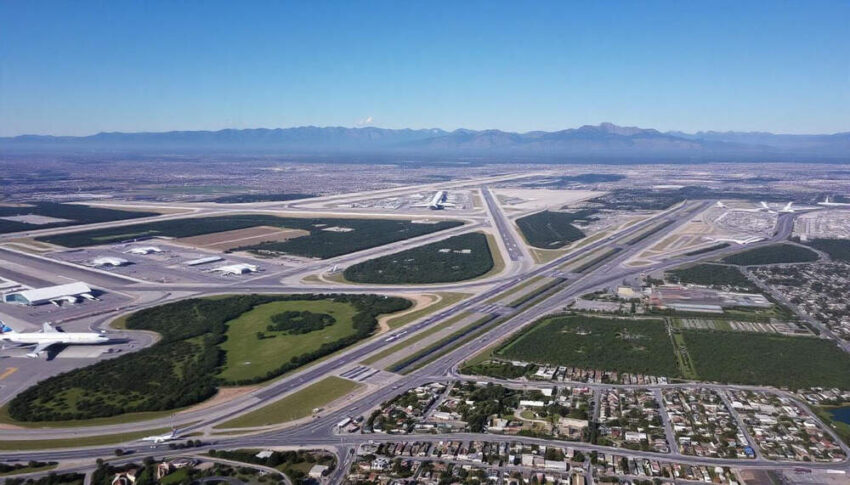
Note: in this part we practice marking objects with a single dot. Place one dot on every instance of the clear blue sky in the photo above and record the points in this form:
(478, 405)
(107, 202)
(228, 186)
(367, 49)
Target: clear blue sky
(80, 67)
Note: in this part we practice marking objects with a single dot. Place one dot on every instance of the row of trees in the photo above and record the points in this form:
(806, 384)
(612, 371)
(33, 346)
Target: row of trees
(296, 323)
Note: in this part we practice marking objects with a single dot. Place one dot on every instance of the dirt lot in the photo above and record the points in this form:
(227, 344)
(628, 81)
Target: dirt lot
(223, 241)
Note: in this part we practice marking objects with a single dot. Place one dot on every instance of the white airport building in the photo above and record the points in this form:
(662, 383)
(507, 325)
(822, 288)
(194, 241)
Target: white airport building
(51, 294)
(109, 261)
(142, 250)
(236, 269)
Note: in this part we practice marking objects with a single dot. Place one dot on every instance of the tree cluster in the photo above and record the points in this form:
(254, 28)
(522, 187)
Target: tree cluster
(296, 323)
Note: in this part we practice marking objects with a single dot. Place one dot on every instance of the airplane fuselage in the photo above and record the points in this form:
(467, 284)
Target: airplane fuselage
(55, 338)
(437, 201)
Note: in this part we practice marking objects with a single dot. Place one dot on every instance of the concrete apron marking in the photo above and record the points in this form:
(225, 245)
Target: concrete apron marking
(8, 372)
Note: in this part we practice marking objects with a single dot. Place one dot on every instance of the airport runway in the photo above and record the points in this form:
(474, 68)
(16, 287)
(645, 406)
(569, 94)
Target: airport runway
(503, 226)
(320, 432)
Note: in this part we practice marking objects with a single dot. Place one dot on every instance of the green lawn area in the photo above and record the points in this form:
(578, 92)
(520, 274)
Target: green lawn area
(30, 469)
(496, 254)
(617, 344)
(446, 300)
(439, 348)
(248, 357)
(98, 440)
(298, 405)
(412, 340)
(767, 359)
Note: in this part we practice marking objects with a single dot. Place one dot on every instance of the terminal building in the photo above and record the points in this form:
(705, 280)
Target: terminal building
(70, 292)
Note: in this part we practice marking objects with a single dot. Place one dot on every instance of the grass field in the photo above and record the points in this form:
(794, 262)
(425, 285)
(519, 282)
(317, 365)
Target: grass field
(457, 258)
(623, 345)
(328, 237)
(552, 230)
(773, 254)
(496, 254)
(99, 440)
(450, 342)
(30, 469)
(767, 359)
(248, 357)
(445, 300)
(298, 405)
(683, 358)
(412, 340)
(516, 289)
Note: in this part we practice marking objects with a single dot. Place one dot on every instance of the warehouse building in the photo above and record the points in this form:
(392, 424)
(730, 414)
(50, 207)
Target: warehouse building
(143, 250)
(109, 261)
(70, 292)
(236, 269)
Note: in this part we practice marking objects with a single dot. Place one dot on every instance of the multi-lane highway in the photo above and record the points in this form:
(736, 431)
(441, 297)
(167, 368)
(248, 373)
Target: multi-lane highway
(320, 431)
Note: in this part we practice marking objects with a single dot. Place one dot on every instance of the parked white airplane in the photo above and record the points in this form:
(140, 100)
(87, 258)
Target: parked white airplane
(162, 438)
(437, 202)
(49, 336)
(827, 203)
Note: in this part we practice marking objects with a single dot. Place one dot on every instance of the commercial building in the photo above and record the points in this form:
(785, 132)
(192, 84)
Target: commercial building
(50, 294)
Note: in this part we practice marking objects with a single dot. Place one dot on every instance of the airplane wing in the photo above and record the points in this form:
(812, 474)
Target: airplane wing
(39, 349)
(46, 328)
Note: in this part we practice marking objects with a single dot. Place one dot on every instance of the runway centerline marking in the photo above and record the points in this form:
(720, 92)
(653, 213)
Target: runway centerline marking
(8, 372)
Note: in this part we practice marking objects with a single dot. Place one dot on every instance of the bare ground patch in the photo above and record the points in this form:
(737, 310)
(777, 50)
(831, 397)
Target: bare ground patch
(227, 240)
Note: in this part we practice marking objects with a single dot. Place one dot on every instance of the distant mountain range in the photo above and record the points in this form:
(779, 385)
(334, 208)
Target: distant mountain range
(602, 142)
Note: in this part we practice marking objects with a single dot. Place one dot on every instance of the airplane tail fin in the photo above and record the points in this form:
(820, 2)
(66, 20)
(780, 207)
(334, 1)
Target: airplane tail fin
(5, 329)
